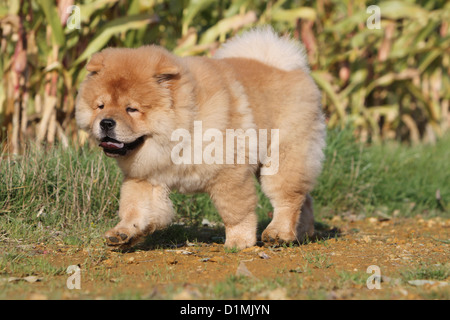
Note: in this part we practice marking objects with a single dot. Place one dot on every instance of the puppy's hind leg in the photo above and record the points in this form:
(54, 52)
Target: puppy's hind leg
(293, 218)
(305, 228)
(301, 154)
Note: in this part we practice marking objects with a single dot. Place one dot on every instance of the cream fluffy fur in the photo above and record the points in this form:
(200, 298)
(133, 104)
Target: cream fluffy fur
(267, 47)
(257, 80)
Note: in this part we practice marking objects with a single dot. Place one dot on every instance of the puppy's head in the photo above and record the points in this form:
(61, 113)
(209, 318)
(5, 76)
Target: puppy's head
(128, 97)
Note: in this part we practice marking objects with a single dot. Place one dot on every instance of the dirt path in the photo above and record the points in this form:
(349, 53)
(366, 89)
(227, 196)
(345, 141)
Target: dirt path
(401, 251)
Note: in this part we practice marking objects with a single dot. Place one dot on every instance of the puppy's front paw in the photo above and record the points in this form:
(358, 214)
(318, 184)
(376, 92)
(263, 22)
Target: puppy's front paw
(123, 237)
(239, 238)
(240, 243)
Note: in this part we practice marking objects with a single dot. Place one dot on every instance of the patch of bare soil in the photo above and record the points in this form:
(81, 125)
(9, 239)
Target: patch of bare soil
(365, 259)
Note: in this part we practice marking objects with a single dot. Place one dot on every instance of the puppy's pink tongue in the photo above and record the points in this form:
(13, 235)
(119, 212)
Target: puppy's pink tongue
(111, 145)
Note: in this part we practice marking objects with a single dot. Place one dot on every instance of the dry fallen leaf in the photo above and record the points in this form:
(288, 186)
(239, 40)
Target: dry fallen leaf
(263, 255)
(428, 282)
(242, 270)
(29, 279)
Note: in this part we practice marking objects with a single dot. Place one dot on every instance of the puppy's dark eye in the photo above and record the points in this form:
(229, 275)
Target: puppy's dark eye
(130, 110)
(101, 106)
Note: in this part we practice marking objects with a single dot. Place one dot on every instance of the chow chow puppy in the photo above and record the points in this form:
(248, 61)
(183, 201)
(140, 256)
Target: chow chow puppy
(161, 116)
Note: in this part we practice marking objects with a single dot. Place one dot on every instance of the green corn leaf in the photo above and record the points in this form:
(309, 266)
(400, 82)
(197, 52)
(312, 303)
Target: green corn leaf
(226, 25)
(236, 6)
(53, 20)
(388, 78)
(292, 15)
(402, 9)
(3, 11)
(88, 9)
(428, 59)
(194, 7)
(112, 28)
(346, 25)
(322, 82)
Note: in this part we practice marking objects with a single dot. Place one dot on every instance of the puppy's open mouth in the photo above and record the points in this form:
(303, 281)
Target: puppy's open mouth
(114, 148)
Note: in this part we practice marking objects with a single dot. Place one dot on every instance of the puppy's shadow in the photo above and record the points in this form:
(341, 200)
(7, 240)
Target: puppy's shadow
(178, 236)
(322, 232)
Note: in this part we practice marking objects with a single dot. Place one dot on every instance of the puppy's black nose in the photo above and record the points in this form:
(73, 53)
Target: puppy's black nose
(107, 124)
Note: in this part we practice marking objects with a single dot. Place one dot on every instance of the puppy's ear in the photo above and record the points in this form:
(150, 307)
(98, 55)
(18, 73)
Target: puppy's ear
(166, 70)
(96, 63)
(167, 74)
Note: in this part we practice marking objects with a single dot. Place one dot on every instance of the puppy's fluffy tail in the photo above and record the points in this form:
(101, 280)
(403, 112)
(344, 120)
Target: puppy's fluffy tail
(264, 45)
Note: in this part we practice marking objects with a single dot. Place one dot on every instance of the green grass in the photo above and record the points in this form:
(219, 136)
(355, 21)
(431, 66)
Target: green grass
(383, 178)
(348, 278)
(318, 260)
(239, 287)
(23, 265)
(71, 195)
(63, 194)
(427, 272)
